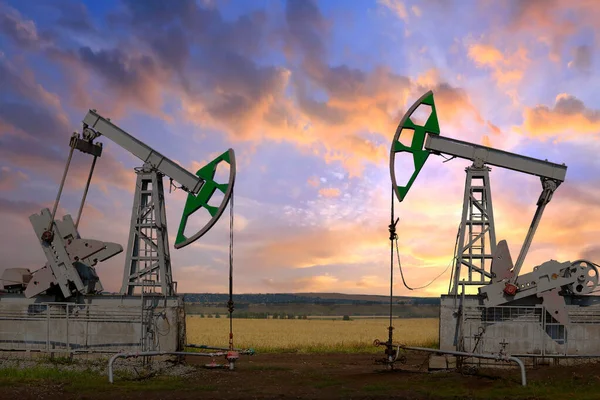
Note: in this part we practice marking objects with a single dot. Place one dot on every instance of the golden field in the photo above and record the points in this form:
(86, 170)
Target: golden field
(310, 335)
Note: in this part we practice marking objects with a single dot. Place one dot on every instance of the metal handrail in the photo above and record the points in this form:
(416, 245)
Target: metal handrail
(464, 354)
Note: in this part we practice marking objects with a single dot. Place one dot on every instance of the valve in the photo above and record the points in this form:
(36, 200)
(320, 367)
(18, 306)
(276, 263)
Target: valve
(392, 230)
(232, 355)
(510, 289)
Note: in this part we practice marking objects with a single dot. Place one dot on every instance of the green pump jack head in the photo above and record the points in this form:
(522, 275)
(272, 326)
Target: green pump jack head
(195, 202)
(416, 147)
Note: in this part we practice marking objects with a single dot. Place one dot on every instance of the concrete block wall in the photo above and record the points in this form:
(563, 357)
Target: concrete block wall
(531, 333)
(91, 324)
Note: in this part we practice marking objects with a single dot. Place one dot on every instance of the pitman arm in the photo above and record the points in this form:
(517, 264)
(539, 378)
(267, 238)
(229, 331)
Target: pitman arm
(549, 188)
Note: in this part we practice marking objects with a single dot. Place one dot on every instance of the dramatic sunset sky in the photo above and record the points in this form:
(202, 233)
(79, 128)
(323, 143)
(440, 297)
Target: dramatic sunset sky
(309, 95)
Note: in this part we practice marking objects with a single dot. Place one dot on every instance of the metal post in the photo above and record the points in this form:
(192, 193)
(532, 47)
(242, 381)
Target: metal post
(47, 327)
(87, 326)
(392, 237)
(60, 188)
(142, 320)
(85, 192)
(67, 323)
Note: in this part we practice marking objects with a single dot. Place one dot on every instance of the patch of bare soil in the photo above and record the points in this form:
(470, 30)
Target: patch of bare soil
(291, 376)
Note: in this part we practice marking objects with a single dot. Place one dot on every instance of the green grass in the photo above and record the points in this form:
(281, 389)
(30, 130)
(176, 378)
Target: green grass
(485, 385)
(41, 372)
(85, 380)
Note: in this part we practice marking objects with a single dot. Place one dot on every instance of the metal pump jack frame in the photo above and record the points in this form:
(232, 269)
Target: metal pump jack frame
(552, 175)
(500, 282)
(70, 271)
(148, 239)
(148, 262)
(477, 231)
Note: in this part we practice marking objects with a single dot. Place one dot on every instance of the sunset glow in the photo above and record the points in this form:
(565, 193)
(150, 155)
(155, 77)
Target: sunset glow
(309, 95)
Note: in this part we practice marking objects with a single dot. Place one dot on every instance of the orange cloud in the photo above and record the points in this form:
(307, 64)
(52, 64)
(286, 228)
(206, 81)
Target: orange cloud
(306, 248)
(485, 141)
(453, 104)
(251, 102)
(485, 55)
(235, 108)
(361, 240)
(549, 22)
(329, 192)
(507, 69)
(357, 102)
(132, 77)
(569, 115)
(494, 129)
(557, 237)
(397, 7)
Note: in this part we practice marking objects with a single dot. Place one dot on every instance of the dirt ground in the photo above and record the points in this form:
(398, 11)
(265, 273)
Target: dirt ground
(344, 376)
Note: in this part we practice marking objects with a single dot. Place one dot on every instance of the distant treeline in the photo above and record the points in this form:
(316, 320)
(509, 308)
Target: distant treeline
(286, 298)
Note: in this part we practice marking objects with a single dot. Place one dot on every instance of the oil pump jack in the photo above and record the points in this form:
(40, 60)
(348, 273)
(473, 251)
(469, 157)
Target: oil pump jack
(501, 282)
(69, 271)
(549, 311)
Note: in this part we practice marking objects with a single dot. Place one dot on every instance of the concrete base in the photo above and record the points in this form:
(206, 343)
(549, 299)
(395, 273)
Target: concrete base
(91, 324)
(441, 362)
(521, 329)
